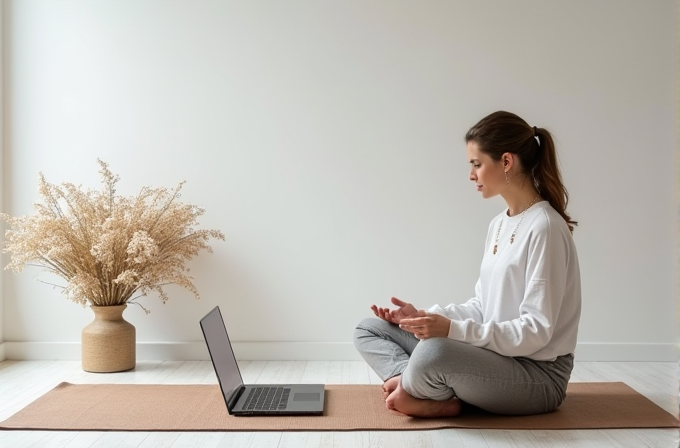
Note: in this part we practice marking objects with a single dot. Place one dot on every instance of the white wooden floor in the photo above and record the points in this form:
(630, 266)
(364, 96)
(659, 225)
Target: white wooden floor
(21, 382)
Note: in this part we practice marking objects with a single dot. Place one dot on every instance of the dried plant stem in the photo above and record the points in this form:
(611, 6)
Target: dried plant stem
(108, 247)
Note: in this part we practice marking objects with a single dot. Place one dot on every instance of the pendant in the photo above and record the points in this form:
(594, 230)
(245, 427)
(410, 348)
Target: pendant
(512, 239)
(495, 248)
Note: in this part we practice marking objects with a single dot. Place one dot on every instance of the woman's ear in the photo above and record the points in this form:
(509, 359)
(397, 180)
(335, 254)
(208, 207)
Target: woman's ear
(508, 160)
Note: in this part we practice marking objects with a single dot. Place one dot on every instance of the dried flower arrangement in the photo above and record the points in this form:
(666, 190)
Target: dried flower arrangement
(109, 247)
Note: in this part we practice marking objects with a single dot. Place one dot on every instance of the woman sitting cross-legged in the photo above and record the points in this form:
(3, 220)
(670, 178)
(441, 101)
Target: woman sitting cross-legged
(509, 349)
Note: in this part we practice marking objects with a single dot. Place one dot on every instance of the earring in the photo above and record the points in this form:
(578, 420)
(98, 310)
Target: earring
(507, 181)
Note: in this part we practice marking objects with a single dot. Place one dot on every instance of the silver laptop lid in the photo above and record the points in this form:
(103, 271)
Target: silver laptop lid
(222, 356)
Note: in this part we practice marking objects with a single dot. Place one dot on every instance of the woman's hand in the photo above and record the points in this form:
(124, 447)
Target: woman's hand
(427, 326)
(403, 311)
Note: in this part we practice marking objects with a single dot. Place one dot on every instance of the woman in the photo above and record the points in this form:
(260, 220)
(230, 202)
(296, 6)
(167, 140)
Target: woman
(509, 349)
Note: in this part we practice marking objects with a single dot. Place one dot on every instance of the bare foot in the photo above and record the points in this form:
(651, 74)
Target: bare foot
(389, 386)
(400, 400)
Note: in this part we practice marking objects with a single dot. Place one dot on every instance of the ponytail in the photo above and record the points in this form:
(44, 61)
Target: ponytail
(547, 177)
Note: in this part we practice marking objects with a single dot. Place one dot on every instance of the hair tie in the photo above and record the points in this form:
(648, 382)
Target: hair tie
(537, 137)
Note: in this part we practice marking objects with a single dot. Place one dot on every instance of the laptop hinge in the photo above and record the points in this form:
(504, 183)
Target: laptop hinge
(231, 404)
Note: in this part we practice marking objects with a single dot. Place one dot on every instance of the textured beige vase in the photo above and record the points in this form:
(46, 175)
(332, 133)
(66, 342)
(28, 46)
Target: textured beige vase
(108, 342)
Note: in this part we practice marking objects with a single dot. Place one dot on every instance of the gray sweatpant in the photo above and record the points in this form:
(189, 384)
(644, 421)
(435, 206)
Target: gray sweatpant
(441, 368)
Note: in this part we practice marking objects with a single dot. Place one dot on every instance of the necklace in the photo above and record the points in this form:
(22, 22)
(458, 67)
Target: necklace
(514, 232)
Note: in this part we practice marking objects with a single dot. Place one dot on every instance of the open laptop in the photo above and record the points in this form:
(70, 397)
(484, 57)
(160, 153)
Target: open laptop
(254, 399)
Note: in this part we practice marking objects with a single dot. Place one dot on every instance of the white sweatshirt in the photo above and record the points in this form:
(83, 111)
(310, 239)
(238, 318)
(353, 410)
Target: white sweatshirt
(528, 296)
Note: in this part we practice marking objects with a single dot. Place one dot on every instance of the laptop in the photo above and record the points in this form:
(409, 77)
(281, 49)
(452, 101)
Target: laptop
(254, 399)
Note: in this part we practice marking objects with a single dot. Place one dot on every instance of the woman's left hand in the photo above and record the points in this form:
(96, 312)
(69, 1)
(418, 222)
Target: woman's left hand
(428, 326)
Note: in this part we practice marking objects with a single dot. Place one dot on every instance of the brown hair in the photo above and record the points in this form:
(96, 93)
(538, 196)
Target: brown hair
(502, 132)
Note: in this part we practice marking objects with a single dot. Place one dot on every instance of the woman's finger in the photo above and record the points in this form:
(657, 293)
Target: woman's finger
(399, 303)
(415, 330)
(417, 321)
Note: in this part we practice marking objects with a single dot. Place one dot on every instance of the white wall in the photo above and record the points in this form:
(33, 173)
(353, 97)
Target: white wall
(326, 140)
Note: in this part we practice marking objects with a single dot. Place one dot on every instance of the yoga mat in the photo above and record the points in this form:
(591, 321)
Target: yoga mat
(200, 407)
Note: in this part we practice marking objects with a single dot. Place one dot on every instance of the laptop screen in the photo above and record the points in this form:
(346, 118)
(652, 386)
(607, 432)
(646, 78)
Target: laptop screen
(222, 355)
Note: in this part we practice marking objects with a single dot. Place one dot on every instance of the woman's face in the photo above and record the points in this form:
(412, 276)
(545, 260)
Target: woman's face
(485, 172)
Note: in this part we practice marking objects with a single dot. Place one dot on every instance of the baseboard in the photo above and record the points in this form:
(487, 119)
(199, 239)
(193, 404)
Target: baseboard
(309, 351)
(194, 351)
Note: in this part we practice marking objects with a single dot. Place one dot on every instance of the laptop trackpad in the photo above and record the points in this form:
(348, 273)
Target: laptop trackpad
(306, 396)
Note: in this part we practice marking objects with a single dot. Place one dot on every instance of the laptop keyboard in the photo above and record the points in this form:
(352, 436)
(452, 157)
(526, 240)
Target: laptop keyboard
(267, 398)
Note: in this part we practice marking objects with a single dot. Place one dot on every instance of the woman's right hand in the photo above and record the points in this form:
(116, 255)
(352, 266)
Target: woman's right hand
(404, 310)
